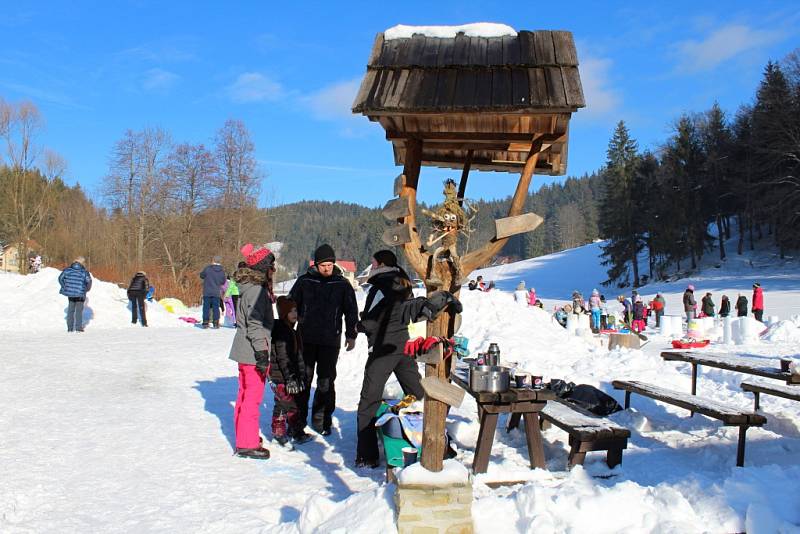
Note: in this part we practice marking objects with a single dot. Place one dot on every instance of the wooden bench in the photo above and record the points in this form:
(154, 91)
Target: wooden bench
(728, 415)
(587, 432)
(778, 390)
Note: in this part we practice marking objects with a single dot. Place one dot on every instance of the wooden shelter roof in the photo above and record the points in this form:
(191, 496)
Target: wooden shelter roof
(486, 99)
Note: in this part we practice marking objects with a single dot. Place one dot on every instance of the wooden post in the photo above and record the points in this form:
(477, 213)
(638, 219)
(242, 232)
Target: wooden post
(462, 184)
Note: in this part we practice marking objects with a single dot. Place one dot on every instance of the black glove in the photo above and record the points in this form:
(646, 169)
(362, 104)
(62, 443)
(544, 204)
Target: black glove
(293, 387)
(439, 300)
(262, 361)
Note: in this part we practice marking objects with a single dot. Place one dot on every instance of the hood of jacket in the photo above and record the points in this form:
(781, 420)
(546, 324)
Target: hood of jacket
(246, 275)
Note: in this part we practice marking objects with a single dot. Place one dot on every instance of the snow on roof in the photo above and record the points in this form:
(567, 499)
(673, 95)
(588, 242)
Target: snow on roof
(477, 29)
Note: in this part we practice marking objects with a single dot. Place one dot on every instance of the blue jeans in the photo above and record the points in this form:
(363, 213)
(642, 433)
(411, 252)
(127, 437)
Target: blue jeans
(210, 308)
(75, 314)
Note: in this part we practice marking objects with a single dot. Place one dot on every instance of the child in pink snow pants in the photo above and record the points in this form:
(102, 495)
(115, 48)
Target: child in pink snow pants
(250, 348)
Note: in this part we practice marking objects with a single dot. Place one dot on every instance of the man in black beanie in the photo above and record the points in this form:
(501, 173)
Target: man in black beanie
(323, 296)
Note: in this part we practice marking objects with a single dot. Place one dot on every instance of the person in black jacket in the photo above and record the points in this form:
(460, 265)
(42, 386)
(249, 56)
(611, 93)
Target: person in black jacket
(725, 306)
(741, 306)
(707, 305)
(388, 310)
(323, 296)
(287, 375)
(137, 291)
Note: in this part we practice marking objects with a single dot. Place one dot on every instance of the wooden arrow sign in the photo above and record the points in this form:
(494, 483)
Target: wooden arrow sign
(516, 225)
(443, 391)
(396, 208)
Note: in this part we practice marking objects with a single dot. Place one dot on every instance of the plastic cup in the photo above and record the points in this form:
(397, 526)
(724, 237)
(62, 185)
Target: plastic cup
(409, 456)
(521, 380)
(785, 363)
(536, 382)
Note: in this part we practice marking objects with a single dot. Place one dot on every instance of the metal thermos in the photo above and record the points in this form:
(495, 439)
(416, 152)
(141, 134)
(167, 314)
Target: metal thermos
(493, 354)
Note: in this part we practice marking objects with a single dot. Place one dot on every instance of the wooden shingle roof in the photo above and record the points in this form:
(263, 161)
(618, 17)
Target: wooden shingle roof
(533, 71)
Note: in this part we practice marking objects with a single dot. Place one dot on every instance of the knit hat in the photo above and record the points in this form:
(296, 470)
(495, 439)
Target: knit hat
(756, 284)
(217, 259)
(259, 259)
(690, 287)
(386, 257)
(324, 253)
(285, 305)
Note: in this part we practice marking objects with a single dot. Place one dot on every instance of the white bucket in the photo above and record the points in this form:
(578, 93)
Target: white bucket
(584, 322)
(773, 319)
(694, 329)
(666, 325)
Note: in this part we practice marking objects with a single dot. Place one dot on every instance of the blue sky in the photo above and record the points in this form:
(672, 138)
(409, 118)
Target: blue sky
(290, 71)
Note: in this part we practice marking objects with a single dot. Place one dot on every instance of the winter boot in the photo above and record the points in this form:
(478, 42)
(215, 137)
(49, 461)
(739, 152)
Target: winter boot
(368, 462)
(259, 453)
(301, 437)
(205, 326)
(283, 441)
(216, 324)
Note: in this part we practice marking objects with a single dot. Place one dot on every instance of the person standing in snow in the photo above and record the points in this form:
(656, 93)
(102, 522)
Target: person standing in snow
(250, 347)
(137, 291)
(578, 304)
(75, 282)
(758, 302)
(689, 304)
(287, 375)
(741, 306)
(725, 306)
(603, 313)
(658, 307)
(323, 296)
(707, 306)
(213, 278)
(596, 308)
(639, 323)
(532, 296)
(627, 309)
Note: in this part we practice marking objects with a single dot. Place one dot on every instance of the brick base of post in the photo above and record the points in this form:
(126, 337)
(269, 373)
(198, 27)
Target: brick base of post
(423, 509)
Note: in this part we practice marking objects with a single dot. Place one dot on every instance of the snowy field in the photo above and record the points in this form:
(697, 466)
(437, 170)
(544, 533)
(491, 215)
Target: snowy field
(127, 429)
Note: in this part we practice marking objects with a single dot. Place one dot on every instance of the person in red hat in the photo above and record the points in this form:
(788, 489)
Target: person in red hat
(250, 348)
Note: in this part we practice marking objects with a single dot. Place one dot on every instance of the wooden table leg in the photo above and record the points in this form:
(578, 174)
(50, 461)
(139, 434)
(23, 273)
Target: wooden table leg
(740, 447)
(694, 383)
(485, 439)
(534, 438)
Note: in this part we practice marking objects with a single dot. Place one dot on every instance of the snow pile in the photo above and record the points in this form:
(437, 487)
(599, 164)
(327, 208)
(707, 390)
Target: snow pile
(453, 472)
(477, 29)
(784, 332)
(34, 304)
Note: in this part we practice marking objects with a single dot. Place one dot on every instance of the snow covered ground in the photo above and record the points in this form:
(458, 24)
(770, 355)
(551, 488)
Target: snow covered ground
(127, 429)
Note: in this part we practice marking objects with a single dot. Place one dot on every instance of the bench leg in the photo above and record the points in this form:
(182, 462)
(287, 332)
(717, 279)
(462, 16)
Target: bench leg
(694, 384)
(613, 457)
(757, 403)
(740, 448)
(576, 455)
(534, 438)
(627, 399)
(485, 439)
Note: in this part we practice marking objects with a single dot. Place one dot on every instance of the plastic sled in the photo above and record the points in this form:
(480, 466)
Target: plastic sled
(680, 344)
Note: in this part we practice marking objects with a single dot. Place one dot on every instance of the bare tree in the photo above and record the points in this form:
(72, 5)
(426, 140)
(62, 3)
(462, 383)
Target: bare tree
(27, 194)
(235, 154)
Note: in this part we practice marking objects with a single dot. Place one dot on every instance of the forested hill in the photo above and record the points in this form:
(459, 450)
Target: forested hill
(569, 209)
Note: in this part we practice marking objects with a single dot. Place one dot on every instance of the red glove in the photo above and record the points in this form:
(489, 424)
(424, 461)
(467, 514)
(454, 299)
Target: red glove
(413, 346)
(447, 347)
(429, 343)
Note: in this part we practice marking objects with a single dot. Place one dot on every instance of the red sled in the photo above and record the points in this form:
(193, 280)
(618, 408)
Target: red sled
(678, 344)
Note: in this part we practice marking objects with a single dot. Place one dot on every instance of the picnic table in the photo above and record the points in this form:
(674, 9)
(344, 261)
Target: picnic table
(742, 364)
(525, 401)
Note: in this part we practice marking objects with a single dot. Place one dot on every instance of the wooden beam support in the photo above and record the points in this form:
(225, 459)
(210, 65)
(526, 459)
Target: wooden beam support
(475, 259)
(477, 137)
(462, 184)
(408, 190)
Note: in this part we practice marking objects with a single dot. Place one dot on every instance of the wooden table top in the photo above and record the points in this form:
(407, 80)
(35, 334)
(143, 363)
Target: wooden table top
(743, 364)
(460, 376)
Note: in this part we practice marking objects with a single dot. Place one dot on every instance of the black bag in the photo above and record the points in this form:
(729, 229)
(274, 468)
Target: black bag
(587, 397)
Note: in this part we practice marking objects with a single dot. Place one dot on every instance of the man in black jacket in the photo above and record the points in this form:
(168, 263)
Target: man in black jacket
(323, 296)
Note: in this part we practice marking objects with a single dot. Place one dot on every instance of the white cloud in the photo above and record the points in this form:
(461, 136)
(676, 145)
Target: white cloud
(159, 80)
(721, 45)
(254, 87)
(334, 101)
(601, 98)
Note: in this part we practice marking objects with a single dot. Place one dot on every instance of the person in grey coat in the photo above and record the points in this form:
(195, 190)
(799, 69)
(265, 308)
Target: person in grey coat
(75, 282)
(250, 348)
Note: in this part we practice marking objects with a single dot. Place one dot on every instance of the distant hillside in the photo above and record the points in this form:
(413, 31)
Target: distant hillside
(354, 231)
